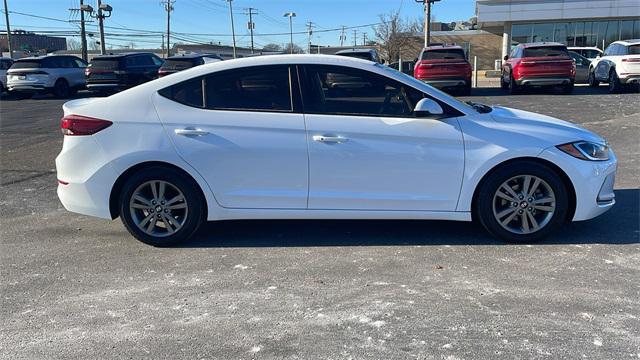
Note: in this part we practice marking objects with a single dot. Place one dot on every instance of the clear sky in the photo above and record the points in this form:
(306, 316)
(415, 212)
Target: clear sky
(141, 21)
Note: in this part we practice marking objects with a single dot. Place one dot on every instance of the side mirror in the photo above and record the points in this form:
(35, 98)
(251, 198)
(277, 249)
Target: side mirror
(506, 57)
(427, 107)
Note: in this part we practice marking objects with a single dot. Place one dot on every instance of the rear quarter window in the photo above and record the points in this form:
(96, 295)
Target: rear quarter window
(634, 49)
(187, 92)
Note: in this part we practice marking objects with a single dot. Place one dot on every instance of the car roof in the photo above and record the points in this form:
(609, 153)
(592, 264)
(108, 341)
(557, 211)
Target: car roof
(437, 47)
(351, 51)
(583, 48)
(40, 57)
(120, 55)
(628, 42)
(539, 44)
(190, 56)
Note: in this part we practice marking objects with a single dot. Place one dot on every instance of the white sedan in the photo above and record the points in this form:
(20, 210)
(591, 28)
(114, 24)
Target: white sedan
(322, 137)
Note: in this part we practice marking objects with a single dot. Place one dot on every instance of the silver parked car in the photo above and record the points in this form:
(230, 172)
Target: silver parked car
(582, 67)
(5, 64)
(61, 75)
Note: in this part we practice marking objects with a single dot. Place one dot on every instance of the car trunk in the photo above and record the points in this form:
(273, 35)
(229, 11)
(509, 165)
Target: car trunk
(443, 64)
(26, 67)
(546, 61)
(104, 71)
(631, 63)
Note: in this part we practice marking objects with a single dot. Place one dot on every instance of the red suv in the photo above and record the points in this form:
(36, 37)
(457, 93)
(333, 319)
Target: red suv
(444, 67)
(538, 64)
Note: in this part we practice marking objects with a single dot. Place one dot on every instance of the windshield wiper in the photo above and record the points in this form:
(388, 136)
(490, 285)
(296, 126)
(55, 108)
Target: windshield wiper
(481, 108)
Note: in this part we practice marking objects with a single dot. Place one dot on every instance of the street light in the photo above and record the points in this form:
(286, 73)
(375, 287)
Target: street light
(290, 15)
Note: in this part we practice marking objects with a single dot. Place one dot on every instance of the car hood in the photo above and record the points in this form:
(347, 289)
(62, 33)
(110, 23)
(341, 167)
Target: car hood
(545, 128)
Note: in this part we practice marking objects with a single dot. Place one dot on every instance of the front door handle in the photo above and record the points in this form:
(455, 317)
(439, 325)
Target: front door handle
(329, 139)
(190, 132)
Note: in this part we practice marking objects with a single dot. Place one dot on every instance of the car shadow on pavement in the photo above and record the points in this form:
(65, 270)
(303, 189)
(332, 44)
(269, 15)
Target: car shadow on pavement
(620, 225)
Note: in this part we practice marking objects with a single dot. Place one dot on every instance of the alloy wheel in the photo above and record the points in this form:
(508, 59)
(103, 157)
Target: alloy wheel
(524, 204)
(158, 208)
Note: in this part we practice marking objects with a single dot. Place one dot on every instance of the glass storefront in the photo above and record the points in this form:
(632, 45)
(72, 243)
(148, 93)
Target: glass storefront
(577, 33)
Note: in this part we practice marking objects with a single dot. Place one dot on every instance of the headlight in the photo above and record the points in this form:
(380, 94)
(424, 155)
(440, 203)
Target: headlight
(586, 150)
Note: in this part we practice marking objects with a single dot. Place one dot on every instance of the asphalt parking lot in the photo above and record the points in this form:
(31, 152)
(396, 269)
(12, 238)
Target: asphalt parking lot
(78, 287)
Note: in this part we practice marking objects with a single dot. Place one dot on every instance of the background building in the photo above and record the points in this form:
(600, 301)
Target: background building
(571, 22)
(28, 42)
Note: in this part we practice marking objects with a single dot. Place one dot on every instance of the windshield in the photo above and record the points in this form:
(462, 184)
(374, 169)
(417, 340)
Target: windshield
(432, 91)
(440, 54)
(26, 64)
(179, 64)
(105, 64)
(545, 51)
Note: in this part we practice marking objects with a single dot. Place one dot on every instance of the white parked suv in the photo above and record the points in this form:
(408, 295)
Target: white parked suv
(61, 75)
(266, 138)
(619, 66)
(5, 64)
(590, 52)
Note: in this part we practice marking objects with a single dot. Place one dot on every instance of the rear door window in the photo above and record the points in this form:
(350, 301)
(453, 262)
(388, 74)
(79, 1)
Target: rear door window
(440, 54)
(264, 88)
(546, 51)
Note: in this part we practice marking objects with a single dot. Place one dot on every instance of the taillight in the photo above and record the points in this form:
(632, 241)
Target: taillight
(631, 60)
(76, 125)
(87, 71)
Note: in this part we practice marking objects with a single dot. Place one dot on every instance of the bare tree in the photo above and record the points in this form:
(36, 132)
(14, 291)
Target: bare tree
(272, 47)
(296, 49)
(73, 44)
(395, 36)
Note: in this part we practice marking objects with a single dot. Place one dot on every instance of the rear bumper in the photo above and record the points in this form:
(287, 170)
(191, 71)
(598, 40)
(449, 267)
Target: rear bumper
(630, 79)
(445, 83)
(107, 86)
(544, 81)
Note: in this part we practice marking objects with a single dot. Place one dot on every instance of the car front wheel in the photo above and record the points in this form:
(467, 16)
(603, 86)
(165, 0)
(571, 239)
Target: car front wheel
(615, 86)
(522, 202)
(161, 206)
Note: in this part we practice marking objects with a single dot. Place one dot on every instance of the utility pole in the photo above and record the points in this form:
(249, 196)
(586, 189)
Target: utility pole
(309, 32)
(355, 37)
(103, 47)
(6, 19)
(364, 38)
(427, 20)
(343, 37)
(233, 29)
(168, 7)
(251, 25)
(290, 15)
(83, 34)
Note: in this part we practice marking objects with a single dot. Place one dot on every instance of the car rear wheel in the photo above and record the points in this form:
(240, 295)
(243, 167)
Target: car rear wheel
(513, 87)
(592, 80)
(615, 86)
(522, 202)
(61, 89)
(568, 88)
(161, 206)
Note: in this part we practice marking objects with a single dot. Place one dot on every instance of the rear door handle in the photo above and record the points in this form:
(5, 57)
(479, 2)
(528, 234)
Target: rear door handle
(330, 139)
(190, 132)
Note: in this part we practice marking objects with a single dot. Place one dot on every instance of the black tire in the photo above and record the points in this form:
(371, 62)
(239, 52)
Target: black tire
(514, 89)
(486, 195)
(592, 79)
(615, 87)
(568, 89)
(61, 89)
(194, 205)
(465, 90)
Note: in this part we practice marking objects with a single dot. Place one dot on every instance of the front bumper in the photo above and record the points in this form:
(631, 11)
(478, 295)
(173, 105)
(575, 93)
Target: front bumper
(544, 81)
(593, 182)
